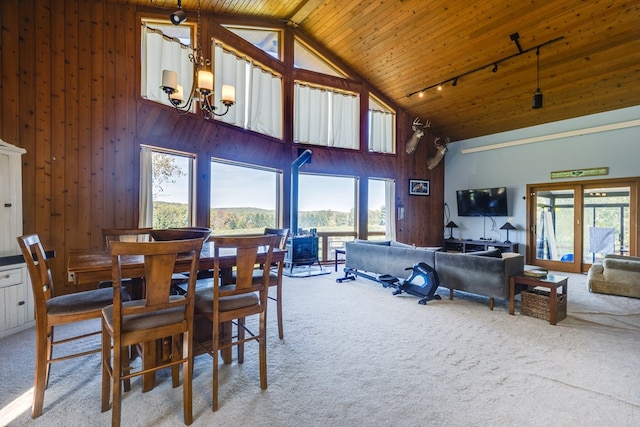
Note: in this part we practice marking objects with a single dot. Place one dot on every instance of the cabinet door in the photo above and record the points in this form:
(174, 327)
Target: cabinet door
(16, 302)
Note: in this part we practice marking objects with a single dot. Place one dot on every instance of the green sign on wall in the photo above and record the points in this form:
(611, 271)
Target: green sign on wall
(580, 173)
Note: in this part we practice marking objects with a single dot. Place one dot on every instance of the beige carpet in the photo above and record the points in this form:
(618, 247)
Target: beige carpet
(354, 355)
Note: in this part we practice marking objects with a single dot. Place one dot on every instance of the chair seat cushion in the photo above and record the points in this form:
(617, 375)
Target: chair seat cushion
(155, 319)
(82, 302)
(204, 300)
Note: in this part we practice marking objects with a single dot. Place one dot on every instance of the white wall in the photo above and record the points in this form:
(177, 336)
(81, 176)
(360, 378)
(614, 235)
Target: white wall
(532, 163)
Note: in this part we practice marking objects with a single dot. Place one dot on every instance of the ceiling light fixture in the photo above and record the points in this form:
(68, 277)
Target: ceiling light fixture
(179, 16)
(202, 88)
(537, 96)
(494, 64)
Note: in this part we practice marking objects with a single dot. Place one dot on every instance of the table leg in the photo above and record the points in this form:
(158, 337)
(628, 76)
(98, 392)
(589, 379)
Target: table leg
(512, 291)
(553, 304)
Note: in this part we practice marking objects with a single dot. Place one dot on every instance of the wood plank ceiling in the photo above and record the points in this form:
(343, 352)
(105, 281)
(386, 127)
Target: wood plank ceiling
(403, 46)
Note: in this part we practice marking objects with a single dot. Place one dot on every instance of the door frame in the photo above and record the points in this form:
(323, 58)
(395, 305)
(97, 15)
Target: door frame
(578, 265)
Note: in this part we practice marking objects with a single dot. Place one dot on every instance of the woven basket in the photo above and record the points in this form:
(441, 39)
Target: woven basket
(535, 303)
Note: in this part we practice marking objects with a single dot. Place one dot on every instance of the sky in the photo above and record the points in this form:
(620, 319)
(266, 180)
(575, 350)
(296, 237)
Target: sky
(317, 192)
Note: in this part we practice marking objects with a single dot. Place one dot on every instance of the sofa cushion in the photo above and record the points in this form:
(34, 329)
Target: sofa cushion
(374, 242)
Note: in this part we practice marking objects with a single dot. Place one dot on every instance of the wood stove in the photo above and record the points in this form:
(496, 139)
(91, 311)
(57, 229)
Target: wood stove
(301, 250)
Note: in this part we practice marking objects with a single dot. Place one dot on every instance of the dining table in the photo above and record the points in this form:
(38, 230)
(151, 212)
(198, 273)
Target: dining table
(91, 266)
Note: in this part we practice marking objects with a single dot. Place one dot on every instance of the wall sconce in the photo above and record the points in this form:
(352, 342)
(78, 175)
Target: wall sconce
(400, 211)
(507, 226)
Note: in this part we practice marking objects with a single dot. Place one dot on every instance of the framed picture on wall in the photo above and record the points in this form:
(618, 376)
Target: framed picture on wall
(418, 187)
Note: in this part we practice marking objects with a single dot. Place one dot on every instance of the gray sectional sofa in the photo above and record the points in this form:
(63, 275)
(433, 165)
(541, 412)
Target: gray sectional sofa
(484, 273)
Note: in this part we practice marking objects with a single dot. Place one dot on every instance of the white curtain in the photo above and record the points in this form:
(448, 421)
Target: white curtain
(146, 188)
(265, 114)
(345, 120)
(324, 117)
(160, 52)
(380, 131)
(390, 209)
(311, 118)
(229, 69)
(259, 103)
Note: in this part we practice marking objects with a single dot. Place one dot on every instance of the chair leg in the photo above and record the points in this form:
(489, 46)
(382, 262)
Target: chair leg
(187, 377)
(214, 382)
(106, 370)
(116, 384)
(42, 368)
(262, 343)
(240, 338)
(279, 309)
(175, 369)
(50, 341)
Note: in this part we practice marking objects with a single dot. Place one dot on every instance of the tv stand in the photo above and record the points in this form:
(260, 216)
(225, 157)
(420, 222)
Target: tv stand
(458, 245)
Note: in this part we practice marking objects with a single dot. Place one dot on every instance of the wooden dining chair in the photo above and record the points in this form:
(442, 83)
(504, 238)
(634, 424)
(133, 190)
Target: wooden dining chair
(51, 311)
(275, 274)
(157, 316)
(232, 303)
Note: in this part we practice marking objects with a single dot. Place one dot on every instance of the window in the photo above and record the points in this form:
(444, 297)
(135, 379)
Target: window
(259, 103)
(306, 58)
(167, 189)
(244, 198)
(327, 117)
(164, 47)
(263, 38)
(382, 124)
(327, 202)
(381, 218)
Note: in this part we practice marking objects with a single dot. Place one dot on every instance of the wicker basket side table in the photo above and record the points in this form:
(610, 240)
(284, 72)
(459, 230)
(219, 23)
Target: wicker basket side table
(551, 282)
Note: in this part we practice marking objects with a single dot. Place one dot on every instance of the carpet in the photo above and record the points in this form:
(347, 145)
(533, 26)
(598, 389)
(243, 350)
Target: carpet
(306, 271)
(355, 355)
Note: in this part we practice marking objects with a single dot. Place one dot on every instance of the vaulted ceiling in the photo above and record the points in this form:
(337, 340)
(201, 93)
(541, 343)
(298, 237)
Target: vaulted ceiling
(403, 46)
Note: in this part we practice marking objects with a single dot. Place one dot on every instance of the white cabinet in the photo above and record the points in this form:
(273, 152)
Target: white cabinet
(16, 299)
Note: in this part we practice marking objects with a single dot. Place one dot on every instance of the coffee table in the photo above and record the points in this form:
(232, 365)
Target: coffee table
(550, 281)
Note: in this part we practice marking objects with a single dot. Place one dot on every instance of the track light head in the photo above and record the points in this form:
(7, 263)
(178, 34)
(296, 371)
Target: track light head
(455, 82)
(178, 17)
(495, 68)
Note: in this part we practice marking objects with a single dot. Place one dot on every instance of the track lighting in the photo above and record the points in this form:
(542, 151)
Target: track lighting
(537, 100)
(179, 16)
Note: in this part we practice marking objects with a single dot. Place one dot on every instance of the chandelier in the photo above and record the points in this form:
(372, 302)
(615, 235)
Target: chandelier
(202, 87)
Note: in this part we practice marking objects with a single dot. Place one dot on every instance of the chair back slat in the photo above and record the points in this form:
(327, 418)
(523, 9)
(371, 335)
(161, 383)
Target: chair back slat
(247, 249)
(39, 271)
(159, 264)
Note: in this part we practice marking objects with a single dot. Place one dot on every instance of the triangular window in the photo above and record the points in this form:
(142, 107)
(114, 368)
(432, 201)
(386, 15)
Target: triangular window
(307, 59)
(264, 39)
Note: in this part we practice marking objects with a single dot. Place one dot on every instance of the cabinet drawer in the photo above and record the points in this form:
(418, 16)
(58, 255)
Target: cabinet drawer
(10, 277)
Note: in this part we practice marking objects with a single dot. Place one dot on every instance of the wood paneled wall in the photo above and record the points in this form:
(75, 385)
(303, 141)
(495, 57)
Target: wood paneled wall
(70, 97)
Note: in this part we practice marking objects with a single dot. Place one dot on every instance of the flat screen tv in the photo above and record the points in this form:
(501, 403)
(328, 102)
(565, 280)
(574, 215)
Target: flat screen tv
(482, 202)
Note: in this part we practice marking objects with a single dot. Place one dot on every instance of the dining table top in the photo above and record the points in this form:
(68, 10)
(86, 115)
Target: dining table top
(94, 265)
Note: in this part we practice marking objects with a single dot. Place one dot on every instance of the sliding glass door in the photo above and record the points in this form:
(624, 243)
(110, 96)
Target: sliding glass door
(573, 225)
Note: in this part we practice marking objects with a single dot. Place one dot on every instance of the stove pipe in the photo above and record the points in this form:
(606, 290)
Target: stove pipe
(295, 166)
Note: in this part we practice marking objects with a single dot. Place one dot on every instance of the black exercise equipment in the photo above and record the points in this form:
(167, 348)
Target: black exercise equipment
(425, 287)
